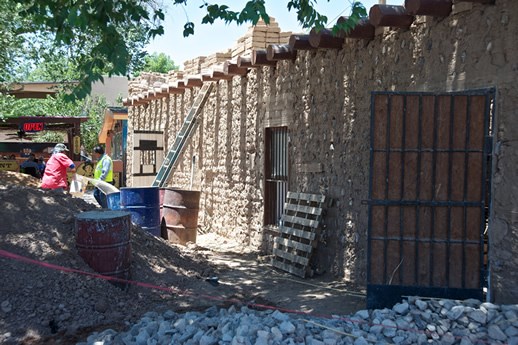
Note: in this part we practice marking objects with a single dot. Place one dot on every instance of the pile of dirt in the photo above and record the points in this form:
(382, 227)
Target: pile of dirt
(43, 305)
(11, 177)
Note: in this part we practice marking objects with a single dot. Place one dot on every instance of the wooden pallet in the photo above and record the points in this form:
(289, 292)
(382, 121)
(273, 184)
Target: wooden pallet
(298, 233)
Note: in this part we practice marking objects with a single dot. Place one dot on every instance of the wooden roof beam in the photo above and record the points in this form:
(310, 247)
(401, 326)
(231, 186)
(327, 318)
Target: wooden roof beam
(136, 100)
(259, 58)
(390, 15)
(245, 61)
(300, 42)
(161, 92)
(219, 74)
(174, 89)
(363, 29)
(325, 39)
(206, 75)
(194, 81)
(276, 52)
(490, 2)
(435, 8)
(231, 68)
(181, 84)
(141, 98)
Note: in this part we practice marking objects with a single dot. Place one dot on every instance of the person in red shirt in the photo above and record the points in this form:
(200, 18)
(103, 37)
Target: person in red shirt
(55, 175)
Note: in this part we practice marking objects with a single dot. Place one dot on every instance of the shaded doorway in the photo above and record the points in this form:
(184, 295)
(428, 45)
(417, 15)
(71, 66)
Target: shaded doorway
(276, 173)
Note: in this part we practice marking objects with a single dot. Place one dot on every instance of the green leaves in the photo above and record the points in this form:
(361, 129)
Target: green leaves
(253, 11)
(358, 12)
(160, 63)
(188, 29)
(307, 16)
(107, 37)
(99, 37)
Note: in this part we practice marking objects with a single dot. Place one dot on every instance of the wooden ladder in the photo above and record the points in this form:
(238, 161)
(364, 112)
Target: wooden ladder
(188, 128)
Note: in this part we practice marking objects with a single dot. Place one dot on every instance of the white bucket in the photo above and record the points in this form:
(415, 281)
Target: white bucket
(76, 188)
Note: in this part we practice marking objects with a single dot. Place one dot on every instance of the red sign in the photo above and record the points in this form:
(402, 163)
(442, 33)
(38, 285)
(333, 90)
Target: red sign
(33, 126)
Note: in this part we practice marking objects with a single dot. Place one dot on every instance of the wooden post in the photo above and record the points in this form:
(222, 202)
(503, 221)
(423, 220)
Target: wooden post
(436, 8)
(244, 61)
(300, 42)
(76, 132)
(363, 29)
(390, 15)
(259, 58)
(231, 68)
(218, 73)
(174, 89)
(206, 75)
(194, 81)
(326, 39)
(181, 84)
(275, 52)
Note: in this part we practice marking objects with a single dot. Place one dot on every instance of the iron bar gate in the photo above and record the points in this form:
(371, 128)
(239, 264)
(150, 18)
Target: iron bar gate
(427, 194)
(276, 173)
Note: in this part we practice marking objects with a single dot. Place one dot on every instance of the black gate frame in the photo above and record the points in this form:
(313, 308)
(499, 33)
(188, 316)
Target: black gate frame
(383, 295)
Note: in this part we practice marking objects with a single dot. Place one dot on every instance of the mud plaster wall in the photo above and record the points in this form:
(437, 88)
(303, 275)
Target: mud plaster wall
(324, 99)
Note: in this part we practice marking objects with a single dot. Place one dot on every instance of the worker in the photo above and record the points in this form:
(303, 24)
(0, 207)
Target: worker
(41, 165)
(55, 175)
(104, 172)
(30, 167)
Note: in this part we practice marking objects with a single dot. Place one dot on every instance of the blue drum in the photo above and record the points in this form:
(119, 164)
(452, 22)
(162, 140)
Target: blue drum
(114, 201)
(144, 205)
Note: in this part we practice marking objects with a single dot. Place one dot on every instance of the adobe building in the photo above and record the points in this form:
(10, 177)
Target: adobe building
(407, 125)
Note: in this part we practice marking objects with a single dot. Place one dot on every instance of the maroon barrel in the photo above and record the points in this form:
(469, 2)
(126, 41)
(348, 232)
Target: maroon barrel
(103, 241)
(180, 215)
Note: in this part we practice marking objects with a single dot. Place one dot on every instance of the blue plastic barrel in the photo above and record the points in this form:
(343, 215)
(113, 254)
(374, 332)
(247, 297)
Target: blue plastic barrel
(114, 201)
(144, 205)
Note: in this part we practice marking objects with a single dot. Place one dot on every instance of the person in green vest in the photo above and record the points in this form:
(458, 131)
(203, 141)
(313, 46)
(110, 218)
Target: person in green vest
(104, 172)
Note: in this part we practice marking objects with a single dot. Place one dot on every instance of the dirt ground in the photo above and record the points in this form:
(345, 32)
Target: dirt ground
(62, 304)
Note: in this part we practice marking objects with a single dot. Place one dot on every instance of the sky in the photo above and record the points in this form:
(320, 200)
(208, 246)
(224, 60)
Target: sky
(218, 37)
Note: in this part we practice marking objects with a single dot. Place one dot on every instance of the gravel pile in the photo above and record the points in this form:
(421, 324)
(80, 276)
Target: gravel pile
(414, 321)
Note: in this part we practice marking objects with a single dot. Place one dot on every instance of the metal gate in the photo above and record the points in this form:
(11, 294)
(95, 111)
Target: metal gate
(428, 193)
(276, 173)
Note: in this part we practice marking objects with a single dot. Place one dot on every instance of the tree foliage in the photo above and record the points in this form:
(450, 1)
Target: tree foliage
(97, 37)
(91, 107)
(94, 108)
(160, 63)
(254, 10)
(107, 37)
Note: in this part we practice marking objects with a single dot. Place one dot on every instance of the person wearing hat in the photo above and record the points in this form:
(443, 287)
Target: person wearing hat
(104, 172)
(55, 175)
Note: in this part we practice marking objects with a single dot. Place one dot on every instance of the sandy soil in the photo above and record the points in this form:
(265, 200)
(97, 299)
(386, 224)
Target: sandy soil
(62, 304)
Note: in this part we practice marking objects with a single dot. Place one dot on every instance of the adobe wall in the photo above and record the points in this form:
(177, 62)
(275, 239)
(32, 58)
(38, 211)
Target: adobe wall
(324, 99)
